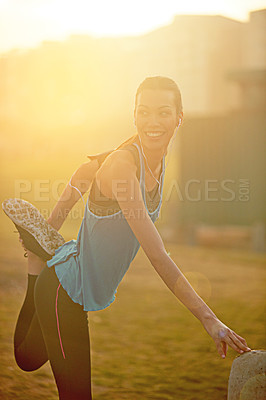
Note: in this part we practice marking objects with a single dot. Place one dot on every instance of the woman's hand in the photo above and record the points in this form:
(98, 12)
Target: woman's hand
(224, 336)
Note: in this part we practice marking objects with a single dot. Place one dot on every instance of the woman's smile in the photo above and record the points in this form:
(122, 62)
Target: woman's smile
(154, 134)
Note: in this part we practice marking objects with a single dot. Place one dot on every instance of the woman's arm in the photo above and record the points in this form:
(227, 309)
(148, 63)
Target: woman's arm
(117, 178)
(81, 179)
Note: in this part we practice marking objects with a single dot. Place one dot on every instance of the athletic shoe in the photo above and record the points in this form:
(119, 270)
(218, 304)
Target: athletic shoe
(37, 234)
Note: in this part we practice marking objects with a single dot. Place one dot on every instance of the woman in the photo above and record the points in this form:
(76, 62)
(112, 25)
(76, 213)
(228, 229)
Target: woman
(83, 274)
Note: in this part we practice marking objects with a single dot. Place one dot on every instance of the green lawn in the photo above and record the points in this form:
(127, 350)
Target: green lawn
(146, 345)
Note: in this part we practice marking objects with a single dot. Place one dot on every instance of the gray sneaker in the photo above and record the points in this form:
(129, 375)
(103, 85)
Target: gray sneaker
(37, 234)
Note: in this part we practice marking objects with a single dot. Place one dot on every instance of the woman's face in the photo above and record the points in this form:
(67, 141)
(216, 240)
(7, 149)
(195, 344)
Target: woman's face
(156, 118)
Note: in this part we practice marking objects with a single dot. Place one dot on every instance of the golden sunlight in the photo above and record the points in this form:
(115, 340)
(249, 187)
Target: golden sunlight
(26, 23)
(119, 17)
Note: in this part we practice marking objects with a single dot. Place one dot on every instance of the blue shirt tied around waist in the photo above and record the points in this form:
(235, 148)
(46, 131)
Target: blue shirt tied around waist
(91, 267)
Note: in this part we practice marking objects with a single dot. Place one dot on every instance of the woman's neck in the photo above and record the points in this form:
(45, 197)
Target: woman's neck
(153, 157)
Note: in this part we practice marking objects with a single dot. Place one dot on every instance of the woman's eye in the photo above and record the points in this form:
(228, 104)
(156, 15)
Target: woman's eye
(143, 113)
(164, 113)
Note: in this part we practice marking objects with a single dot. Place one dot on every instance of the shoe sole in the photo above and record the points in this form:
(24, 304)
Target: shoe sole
(23, 214)
(31, 244)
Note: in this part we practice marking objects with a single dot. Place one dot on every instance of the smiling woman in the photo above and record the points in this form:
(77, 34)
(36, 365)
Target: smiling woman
(83, 275)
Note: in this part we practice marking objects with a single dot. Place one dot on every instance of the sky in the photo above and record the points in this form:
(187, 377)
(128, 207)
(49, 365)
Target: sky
(26, 23)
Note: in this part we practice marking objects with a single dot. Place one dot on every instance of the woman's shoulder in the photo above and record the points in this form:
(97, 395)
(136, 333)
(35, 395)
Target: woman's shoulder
(119, 167)
(127, 145)
(119, 162)
(127, 154)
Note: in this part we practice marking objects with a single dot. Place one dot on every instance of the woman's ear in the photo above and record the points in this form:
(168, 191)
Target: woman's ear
(180, 119)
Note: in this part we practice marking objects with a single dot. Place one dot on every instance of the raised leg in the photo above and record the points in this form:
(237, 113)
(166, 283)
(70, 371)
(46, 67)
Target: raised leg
(29, 347)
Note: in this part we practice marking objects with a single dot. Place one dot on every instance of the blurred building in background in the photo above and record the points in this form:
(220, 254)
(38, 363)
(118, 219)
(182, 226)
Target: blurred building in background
(83, 89)
(251, 76)
(73, 81)
(222, 163)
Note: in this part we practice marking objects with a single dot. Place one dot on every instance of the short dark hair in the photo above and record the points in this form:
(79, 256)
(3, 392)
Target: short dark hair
(161, 83)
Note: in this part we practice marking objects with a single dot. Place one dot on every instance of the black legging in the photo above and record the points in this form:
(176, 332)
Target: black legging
(52, 327)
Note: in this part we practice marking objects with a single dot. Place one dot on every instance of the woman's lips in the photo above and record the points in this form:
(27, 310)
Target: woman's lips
(154, 134)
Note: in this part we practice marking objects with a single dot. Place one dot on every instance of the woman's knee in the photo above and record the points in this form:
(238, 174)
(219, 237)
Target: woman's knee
(25, 361)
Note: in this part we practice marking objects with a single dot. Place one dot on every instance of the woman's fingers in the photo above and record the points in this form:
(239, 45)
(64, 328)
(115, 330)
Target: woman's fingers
(221, 347)
(238, 342)
(240, 338)
(220, 341)
(227, 337)
(21, 241)
(232, 343)
(224, 337)
(224, 348)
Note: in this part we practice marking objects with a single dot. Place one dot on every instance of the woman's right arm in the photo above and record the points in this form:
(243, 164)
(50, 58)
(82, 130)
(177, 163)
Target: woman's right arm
(81, 179)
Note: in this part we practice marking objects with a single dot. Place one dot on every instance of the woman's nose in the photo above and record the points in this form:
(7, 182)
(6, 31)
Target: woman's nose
(153, 120)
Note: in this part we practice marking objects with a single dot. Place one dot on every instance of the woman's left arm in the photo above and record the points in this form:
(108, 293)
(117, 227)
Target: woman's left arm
(131, 203)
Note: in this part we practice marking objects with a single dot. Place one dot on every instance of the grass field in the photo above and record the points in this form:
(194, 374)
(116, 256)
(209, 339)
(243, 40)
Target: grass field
(146, 345)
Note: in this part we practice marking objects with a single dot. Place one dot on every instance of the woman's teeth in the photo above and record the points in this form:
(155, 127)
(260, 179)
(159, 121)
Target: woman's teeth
(154, 134)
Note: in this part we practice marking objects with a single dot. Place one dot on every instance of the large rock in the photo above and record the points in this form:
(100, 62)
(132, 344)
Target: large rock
(247, 380)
